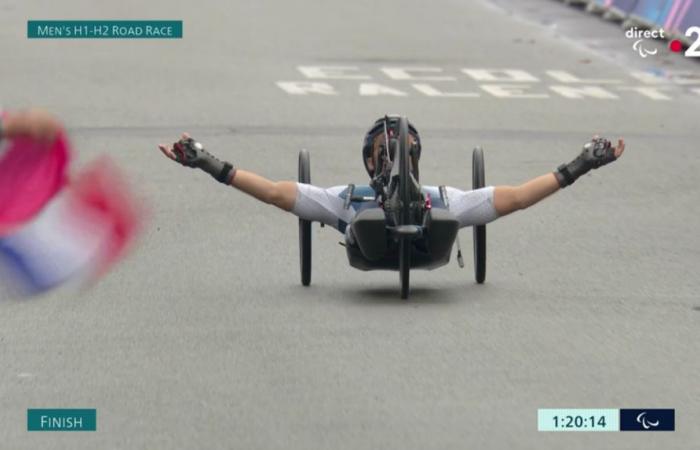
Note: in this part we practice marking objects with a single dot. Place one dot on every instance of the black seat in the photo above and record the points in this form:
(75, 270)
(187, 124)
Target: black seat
(375, 249)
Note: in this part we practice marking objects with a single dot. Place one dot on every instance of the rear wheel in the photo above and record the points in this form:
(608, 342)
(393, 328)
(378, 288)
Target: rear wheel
(405, 197)
(305, 225)
(478, 182)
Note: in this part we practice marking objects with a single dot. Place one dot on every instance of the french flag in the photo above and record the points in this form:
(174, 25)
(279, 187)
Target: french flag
(54, 230)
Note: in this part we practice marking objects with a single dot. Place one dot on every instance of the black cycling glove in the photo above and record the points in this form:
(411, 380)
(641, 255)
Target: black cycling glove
(596, 153)
(191, 153)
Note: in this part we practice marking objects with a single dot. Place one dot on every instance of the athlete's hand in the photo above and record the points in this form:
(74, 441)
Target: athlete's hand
(192, 154)
(595, 153)
(35, 123)
(169, 150)
(618, 149)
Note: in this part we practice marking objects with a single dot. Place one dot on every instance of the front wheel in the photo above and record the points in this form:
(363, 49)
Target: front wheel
(478, 182)
(405, 243)
(305, 225)
(404, 265)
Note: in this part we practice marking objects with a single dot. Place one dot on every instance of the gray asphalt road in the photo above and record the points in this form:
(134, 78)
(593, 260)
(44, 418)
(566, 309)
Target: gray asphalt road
(204, 338)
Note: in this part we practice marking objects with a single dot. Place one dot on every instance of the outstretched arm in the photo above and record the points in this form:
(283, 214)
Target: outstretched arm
(507, 199)
(279, 193)
(282, 194)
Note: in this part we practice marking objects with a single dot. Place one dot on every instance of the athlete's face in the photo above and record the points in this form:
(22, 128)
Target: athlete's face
(376, 149)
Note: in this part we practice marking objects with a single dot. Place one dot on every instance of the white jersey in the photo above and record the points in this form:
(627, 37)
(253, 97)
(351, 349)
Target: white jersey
(328, 205)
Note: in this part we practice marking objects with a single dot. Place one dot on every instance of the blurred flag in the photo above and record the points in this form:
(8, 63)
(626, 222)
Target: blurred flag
(31, 173)
(54, 231)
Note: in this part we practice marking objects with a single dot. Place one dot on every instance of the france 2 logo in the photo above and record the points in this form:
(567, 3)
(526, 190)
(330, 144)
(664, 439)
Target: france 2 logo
(676, 46)
(694, 49)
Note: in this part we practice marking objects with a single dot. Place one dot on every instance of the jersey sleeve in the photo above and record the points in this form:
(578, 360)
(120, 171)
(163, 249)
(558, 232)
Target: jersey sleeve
(472, 207)
(322, 205)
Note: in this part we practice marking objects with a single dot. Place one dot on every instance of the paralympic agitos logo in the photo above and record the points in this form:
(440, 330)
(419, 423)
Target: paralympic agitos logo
(644, 45)
(647, 420)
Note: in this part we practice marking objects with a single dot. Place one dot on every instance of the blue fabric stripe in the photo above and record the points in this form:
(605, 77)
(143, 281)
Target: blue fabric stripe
(29, 281)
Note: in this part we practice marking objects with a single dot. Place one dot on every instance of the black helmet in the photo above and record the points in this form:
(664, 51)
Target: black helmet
(392, 125)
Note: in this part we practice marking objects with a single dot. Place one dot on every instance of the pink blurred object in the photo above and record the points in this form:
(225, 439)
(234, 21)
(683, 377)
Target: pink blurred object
(31, 173)
(101, 191)
(55, 231)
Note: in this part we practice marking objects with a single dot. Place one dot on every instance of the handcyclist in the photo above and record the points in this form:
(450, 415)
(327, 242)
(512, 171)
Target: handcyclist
(328, 205)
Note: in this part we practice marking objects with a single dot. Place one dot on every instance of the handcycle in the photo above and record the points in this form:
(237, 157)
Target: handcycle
(404, 228)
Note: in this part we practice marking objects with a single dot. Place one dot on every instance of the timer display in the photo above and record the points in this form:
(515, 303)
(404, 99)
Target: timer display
(578, 420)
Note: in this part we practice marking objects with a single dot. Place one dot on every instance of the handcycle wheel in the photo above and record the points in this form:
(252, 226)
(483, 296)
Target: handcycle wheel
(478, 182)
(405, 197)
(305, 225)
